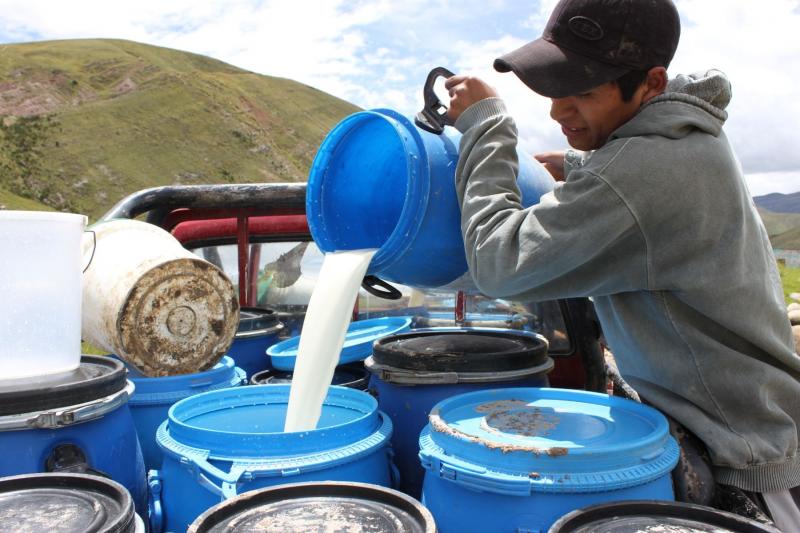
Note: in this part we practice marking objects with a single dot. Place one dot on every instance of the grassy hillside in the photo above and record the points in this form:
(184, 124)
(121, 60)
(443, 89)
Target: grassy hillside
(86, 122)
(9, 200)
(783, 229)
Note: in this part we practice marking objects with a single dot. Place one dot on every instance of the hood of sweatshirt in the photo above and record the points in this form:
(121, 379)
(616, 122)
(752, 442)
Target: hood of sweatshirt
(692, 102)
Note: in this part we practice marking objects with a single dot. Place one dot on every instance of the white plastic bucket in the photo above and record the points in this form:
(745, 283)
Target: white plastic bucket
(40, 293)
(152, 302)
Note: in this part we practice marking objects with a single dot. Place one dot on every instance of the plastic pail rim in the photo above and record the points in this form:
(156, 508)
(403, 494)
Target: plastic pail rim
(313, 504)
(356, 418)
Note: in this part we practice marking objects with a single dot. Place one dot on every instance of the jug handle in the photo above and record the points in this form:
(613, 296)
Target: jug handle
(433, 117)
(377, 287)
(94, 249)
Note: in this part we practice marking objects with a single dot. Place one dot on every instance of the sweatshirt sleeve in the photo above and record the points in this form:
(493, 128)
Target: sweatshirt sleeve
(579, 240)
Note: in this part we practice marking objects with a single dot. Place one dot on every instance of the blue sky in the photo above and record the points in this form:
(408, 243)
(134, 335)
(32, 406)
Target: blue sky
(376, 53)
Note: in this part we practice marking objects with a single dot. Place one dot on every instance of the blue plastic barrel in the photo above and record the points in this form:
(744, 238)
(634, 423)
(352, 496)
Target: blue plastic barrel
(358, 340)
(518, 459)
(259, 329)
(413, 371)
(154, 396)
(222, 443)
(77, 421)
(378, 181)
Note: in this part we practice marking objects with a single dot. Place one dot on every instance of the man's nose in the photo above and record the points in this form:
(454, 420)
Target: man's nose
(560, 108)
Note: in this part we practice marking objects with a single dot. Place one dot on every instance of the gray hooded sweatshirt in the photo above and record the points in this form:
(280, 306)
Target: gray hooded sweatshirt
(659, 228)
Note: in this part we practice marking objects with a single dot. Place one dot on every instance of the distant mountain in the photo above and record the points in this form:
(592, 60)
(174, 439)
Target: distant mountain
(83, 123)
(779, 203)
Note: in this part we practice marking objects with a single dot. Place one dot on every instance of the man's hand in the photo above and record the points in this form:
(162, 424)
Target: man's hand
(553, 162)
(465, 91)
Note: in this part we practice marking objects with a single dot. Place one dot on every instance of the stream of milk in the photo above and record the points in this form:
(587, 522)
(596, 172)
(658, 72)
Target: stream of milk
(324, 330)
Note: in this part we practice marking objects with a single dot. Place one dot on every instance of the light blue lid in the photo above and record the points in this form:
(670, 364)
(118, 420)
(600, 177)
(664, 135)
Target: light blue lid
(523, 440)
(357, 343)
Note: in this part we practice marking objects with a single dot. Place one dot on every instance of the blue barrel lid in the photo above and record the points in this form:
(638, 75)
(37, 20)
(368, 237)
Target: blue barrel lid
(172, 388)
(524, 440)
(358, 341)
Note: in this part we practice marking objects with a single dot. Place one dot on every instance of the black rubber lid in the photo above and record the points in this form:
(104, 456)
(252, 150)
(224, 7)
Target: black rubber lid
(256, 319)
(65, 503)
(637, 516)
(96, 377)
(318, 506)
(354, 376)
(460, 351)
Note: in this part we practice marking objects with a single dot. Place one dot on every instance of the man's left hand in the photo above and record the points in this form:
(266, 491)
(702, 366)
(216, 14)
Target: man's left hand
(465, 91)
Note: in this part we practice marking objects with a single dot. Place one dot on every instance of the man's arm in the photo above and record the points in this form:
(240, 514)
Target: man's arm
(580, 240)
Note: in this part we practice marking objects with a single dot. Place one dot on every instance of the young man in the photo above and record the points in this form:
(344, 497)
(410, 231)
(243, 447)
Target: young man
(653, 221)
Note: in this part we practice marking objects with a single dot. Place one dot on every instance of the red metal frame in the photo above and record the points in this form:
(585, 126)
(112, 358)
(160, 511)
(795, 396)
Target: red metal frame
(195, 226)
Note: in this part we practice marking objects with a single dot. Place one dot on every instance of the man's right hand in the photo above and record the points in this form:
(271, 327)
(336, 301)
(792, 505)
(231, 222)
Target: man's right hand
(553, 162)
(465, 91)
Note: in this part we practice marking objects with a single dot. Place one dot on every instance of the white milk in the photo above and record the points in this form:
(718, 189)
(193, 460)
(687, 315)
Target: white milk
(324, 331)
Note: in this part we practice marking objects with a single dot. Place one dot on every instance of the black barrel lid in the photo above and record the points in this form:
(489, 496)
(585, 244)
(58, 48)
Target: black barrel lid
(352, 375)
(318, 506)
(651, 515)
(96, 377)
(67, 503)
(254, 319)
(466, 350)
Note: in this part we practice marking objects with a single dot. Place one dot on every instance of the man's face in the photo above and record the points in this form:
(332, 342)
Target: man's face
(588, 119)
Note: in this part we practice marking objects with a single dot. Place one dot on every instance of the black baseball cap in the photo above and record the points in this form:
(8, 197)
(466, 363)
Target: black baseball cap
(587, 43)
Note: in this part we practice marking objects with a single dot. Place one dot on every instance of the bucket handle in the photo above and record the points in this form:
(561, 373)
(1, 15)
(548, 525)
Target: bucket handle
(377, 287)
(433, 116)
(155, 511)
(94, 248)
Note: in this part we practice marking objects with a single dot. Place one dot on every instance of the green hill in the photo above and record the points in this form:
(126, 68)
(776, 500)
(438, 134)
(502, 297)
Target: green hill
(9, 200)
(783, 229)
(83, 123)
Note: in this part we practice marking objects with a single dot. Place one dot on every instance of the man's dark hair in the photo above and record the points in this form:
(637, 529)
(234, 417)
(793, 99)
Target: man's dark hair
(629, 82)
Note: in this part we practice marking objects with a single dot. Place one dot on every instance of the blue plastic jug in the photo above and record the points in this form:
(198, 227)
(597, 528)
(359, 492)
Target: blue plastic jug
(379, 181)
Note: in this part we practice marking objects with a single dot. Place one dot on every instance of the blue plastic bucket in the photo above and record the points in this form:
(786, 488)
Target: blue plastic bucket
(258, 330)
(221, 443)
(154, 396)
(78, 421)
(358, 341)
(518, 459)
(378, 181)
(414, 371)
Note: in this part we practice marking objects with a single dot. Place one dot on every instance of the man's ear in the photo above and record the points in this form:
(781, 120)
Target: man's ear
(655, 83)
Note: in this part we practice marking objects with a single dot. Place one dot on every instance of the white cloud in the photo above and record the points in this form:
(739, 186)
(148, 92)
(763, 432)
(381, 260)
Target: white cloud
(756, 44)
(376, 53)
(767, 182)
